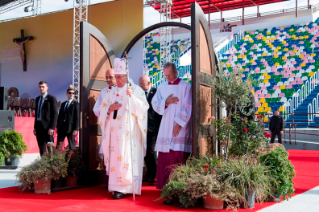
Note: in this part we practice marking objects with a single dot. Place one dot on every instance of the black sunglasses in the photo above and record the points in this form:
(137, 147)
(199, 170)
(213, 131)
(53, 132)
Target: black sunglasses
(70, 93)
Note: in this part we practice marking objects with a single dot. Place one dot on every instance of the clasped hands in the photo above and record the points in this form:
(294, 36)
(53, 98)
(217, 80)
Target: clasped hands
(117, 106)
(173, 100)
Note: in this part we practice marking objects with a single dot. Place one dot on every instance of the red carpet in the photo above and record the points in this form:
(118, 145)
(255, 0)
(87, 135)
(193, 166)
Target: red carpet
(98, 199)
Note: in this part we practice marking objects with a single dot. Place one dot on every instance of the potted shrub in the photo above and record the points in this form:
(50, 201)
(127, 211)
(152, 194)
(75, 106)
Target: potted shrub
(38, 175)
(12, 147)
(198, 180)
(75, 166)
(249, 177)
(59, 166)
(213, 191)
(174, 193)
(281, 170)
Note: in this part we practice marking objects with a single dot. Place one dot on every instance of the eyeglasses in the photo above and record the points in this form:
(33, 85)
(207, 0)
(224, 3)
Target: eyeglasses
(70, 93)
(119, 77)
(144, 83)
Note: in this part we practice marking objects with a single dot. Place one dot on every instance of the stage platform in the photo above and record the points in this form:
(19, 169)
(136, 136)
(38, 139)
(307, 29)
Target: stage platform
(98, 199)
(25, 125)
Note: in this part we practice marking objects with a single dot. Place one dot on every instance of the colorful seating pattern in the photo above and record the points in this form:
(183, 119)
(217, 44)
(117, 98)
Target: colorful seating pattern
(282, 59)
(152, 55)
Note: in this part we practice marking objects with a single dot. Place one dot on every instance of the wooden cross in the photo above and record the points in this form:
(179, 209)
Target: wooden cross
(21, 42)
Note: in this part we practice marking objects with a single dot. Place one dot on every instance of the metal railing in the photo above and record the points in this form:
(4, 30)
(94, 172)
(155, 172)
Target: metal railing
(313, 108)
(299, 96)
(314, 9)
(233, 40)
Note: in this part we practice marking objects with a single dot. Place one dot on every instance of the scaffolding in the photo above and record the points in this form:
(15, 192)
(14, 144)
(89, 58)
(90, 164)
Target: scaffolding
(33, 6)
(165, 32)
(80, 13)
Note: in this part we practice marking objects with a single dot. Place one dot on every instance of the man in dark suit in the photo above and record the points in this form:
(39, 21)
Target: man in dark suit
(153, 123)
(68, 120)
(46, 115)
(276, 127)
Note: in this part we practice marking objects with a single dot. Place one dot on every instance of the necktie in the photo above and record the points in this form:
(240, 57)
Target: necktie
(40, 106)
(66, 105)
(146, 94)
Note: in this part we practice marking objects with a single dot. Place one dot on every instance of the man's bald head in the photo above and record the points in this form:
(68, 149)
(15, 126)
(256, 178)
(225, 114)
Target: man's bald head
(144, 82)
(110, 78)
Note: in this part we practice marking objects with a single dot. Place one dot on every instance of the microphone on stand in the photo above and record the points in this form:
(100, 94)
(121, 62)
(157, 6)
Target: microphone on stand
(115, 111)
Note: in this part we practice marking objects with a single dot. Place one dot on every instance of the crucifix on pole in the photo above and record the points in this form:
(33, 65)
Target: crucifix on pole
(21, 42)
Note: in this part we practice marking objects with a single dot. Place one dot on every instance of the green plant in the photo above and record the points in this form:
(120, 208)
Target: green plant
(247, 136)
(50, 166)
(281, 170)
(193, 165)
(175, 190)
(12, 144)
(196, 179)
(75, 163)
(245, 173)
(231, 92)
(1, 158)
(199, 186)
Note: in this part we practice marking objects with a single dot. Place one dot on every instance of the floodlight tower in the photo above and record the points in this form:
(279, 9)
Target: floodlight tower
(165, 32)
(80, 13)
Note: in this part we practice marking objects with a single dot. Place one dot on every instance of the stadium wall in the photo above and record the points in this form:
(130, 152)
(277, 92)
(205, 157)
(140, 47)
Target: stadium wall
(49, 54)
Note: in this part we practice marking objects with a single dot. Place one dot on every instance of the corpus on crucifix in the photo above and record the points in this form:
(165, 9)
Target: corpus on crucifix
(21, 42)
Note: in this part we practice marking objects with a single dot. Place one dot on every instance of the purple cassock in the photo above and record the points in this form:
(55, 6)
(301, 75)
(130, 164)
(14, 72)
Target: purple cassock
(172, 150)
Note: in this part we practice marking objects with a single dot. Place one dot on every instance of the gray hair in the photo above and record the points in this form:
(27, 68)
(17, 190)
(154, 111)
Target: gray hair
(170, 65)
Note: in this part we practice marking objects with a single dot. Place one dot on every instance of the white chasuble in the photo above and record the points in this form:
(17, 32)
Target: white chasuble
(173, 114)
(116, 144)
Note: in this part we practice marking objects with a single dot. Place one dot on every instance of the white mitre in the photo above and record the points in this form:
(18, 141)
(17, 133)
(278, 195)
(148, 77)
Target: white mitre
(119, 66)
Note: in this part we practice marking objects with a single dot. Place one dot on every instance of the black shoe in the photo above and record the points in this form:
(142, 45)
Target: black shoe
(118, 195)
(145, 179)
(150, 181)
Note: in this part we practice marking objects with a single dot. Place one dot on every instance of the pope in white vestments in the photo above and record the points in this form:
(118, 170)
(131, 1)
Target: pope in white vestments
(173, 100)
(116, 142)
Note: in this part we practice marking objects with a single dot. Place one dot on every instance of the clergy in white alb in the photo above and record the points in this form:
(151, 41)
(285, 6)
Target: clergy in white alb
(116, 143)
(111, 82)
(173, 100)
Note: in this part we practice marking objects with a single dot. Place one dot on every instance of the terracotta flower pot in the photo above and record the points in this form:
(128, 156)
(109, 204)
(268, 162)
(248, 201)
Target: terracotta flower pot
(42, 186)
(212, 203)
(71, 181)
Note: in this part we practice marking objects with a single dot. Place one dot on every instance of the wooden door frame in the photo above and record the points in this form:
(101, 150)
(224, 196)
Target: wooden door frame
(86, 31)
(198, 19)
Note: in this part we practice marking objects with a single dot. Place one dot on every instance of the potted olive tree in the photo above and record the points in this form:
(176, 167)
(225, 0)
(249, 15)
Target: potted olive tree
(12, 147)
(233, 94)
(281, 170)
(38, 175)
